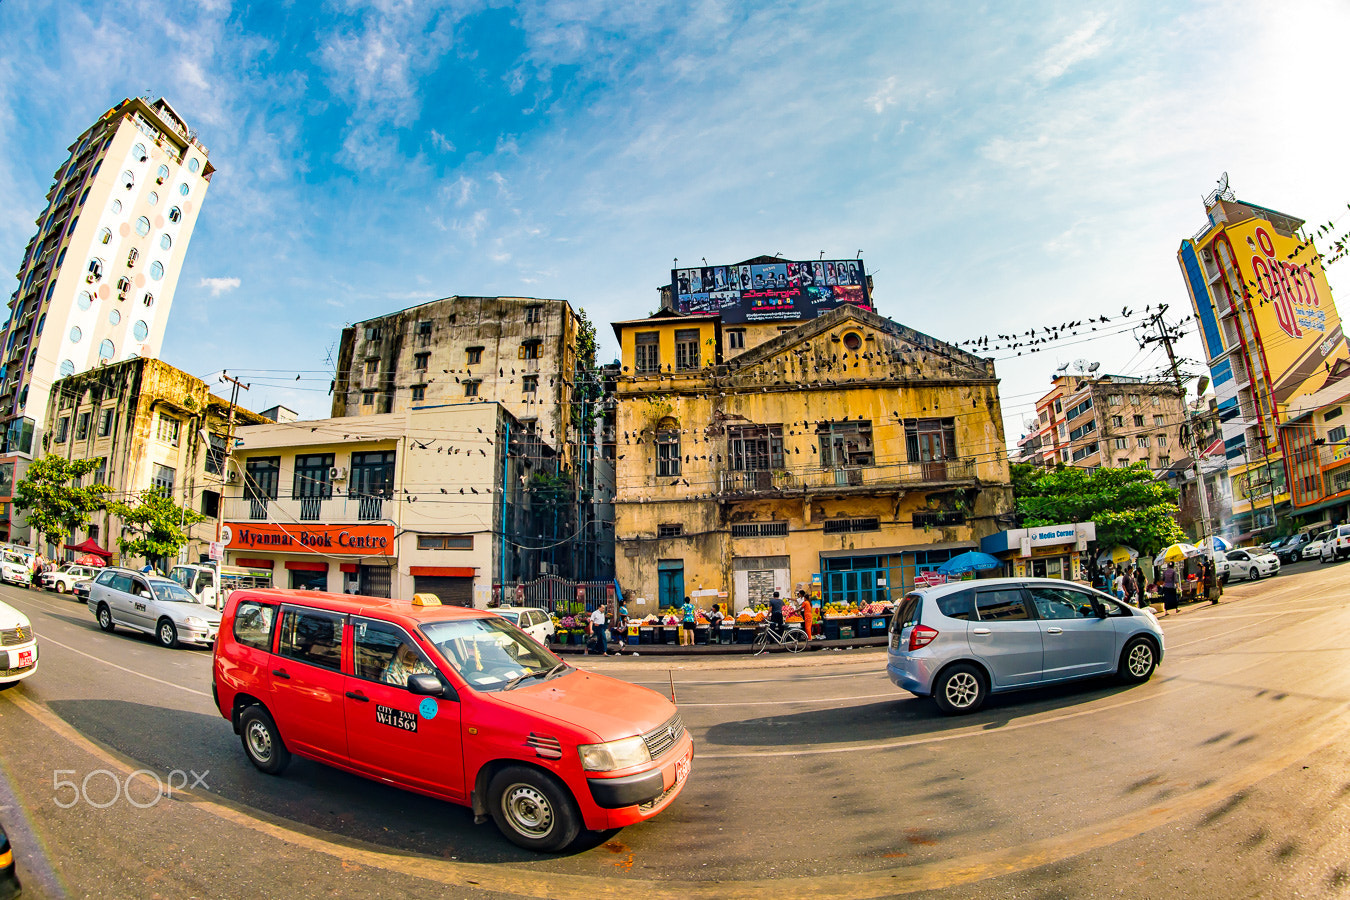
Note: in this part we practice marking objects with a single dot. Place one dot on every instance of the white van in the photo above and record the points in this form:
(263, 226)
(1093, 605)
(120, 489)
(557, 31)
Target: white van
(200, 581)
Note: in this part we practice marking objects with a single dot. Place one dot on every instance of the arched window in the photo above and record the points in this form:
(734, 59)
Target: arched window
(157, 270)
(104, 235)
(175, 214)
(138, 153)
(105, 350)
(162, 174)
(123, 285)
(128, 179)
(140, 330)
(142, 226)
(165, 242)
(132, 257)
(667, 448)
(95, 270)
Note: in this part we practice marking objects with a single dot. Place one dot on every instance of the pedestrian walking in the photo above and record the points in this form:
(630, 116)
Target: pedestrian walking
(1141, 586)
(1169, 588)
(598, 629)
(688, 619)
(1126, 591)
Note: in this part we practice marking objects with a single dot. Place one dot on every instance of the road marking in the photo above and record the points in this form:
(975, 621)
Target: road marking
(48, 640)
(894, 695)
(962, 870)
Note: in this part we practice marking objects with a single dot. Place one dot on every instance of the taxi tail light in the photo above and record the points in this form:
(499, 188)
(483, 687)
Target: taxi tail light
(921, 636)
(544, 746)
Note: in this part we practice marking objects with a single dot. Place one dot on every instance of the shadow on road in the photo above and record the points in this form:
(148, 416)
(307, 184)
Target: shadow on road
(307, 793)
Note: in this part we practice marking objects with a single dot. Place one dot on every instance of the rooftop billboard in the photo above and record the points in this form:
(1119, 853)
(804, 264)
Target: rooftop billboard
(764, 292)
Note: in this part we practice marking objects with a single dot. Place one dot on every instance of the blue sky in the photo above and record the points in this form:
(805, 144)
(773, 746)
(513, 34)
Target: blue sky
(1000, 166)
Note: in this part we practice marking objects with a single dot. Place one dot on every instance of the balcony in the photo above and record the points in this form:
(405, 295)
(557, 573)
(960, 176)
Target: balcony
(846, 480)
(306, 509)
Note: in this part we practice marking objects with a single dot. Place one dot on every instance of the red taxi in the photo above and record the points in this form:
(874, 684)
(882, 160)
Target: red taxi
(454, 703)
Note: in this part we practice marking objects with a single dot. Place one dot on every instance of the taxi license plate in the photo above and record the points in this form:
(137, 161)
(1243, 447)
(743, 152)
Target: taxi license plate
(25, 659)
(682, 769)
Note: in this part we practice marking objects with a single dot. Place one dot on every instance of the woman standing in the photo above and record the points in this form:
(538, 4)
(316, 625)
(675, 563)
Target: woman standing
(808, 613)
(688, 623)
(1169, 588)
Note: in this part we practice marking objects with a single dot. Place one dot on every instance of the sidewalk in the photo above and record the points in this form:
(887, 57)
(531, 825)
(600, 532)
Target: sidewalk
(641, 650)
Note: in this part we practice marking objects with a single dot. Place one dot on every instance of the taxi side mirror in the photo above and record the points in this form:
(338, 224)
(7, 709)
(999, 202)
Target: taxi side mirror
(428, 685)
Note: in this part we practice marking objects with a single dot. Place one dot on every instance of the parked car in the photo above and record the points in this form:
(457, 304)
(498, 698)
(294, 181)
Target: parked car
(9, 879)
(1291, 550)
(1337, 544)
(15, 569)
(1251, 563)
(962, 641)
(64, 579)
(80, 591)
(151, 605)
(1313, 549)
(534, 622)
(18, 646)
(387, 690)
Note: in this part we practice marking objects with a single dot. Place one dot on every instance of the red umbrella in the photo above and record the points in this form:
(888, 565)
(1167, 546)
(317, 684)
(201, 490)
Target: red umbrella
(90, 559)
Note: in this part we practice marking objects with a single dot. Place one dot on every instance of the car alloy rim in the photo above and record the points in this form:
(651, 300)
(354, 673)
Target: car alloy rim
(1141, 658)
(962, 689)
(259, 741)
(528, 810)
(103, 617)
(166, 633)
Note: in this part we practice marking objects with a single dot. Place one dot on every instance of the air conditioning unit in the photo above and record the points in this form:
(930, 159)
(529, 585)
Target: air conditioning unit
(337, 473)
(231, 476)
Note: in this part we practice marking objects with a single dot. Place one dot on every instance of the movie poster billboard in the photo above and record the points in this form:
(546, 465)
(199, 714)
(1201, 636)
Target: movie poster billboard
(763, 292)
(1297, 327)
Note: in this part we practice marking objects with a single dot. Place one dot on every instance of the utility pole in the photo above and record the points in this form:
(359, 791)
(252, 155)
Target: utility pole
(1165, 337)
(236, 386)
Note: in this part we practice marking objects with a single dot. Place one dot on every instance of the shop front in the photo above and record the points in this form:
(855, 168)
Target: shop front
(1048, 551)
(348, 559)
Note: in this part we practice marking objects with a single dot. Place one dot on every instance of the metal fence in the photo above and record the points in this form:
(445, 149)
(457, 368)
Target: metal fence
(553, 594)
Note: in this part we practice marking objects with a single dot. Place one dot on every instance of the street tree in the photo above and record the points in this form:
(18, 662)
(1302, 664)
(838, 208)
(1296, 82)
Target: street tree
(158, 526)
(1128, 506)
(55, 499)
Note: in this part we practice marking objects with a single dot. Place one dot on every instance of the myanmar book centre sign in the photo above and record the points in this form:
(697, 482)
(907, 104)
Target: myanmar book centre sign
(336, 540)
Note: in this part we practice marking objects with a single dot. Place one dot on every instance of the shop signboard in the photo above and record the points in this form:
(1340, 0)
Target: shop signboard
(764, 292)
(326, 540)
(1289, 303)
(929, 579)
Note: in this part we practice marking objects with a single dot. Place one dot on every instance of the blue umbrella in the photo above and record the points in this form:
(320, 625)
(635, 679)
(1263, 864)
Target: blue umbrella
(970, 561)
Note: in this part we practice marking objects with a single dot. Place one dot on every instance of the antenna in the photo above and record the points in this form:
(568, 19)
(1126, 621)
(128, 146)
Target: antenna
(1094, 367)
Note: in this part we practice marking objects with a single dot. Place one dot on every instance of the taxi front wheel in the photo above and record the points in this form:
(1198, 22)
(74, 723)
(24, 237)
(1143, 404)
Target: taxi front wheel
(262, 741)
(532, 809)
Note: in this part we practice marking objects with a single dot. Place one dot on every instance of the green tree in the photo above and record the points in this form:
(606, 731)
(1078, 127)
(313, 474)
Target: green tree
(1129, 506)
(51, 494)
(158, 525)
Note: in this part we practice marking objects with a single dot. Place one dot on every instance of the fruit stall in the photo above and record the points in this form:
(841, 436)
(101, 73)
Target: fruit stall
(835, 621)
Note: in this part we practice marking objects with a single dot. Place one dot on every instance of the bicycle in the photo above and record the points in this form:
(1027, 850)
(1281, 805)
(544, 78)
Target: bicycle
(793, 638)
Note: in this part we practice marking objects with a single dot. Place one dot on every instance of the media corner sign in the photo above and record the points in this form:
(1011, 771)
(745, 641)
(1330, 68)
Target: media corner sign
(337, 540)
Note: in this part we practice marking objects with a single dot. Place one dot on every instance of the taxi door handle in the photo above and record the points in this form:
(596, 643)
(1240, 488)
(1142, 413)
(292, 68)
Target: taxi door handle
(980, 631)
(280, 673)
(1054, 630)
(357, 695)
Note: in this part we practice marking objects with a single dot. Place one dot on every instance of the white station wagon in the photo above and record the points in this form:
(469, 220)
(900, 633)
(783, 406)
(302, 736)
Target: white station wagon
(151, 605)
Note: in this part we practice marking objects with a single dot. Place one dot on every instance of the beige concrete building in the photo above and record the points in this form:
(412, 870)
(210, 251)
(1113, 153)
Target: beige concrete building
(389, 504)
(153, 426)
(1091, 421)
(98, 277)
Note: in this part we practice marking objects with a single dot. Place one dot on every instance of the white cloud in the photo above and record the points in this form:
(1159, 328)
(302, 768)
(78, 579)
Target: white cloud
(884, 97)
(218, 286)
(1081, 45)
(441, 142)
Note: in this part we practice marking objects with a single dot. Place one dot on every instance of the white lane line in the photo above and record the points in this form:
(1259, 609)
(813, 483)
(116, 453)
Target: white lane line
(896, 694)
(1265, 620)
(42, 639)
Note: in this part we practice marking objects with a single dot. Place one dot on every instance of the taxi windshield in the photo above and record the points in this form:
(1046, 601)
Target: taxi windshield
(490, 653)
(171, 590)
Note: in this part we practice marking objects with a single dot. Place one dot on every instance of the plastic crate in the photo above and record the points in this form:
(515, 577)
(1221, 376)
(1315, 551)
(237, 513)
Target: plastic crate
(847, 632)
(745, 635)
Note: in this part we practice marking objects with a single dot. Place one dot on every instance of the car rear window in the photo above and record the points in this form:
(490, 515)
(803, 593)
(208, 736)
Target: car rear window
(907, 613)
(253, 625)
(313, 637)
(960, 605)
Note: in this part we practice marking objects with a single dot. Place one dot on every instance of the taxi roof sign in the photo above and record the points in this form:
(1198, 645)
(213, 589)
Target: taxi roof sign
(426, 600)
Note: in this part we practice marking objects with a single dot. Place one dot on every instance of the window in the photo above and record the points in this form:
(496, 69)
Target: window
(148, 299)
(1117, 421)
(116, 207)
(1143, 440)
(1078, 410)
(752, 448)
(75, 334)
(104, 235)
(311, 476)
(942, 519)
(138, 153)
(647, 352)
(424, 329)
(128, 179)
(163, 480)
(67, 368)
(445, 542)
(193, 165)
(210, 504)
(929, 440)
(124, 283)
(367, 398)
(529, 349)
(736, 339)
(384, 653)
(1085, 428)
(1162, 440)
(529, 384)
(253, 624)
(1138, 421)
(372, 367)
(1158, 421)
(62, 429)
(167, 428)
(106, 418)
(852, 340)
(420, 361)
(1058, 406)
(1084, 452)
(175, 215)
(372, 333)
(686, 349)
(1122, 463)
(759, 529)
(470, 389)
(850, 526)
(960, 605)
(152, 198)
(162, 173)
(1331, 414)
(845, 444)
(82, 426)
(113, 318)
(1165, 461)
(670, 530)
(419, 392)
(215, 454)
(140, 331)
(1134, 399)
(311, 637)
(262, 474)
(1122, 443)
(165, 242)
(184, 190)
(1336, 435)
(372, 474)
(475, 355)
(1115, 399)
(668, 448)
(157, 270)
(142, 226)
(532, 314)
(1000, 605)
(95, 270)
(1157, 399)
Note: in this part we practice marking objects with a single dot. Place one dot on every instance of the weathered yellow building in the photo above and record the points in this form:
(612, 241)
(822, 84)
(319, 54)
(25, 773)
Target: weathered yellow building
(758, 457)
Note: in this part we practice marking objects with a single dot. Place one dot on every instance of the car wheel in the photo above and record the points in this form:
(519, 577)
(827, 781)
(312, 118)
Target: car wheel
(262, 742)
(105, 619)
(167, 634)
(960, 689)
(1137, 661)
(1253, 573)
(532, 809)
(60, 587)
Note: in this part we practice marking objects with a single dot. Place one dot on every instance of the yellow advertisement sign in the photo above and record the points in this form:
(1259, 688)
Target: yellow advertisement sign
(1298, 329)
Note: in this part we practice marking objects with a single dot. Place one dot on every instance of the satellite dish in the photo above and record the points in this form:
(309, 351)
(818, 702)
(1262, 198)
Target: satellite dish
(1094, 367)
(1223, 182)
(1080, 365)
(1063, 368)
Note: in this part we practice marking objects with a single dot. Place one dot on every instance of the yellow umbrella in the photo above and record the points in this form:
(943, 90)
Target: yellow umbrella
(1178, 552)
(1118, 554)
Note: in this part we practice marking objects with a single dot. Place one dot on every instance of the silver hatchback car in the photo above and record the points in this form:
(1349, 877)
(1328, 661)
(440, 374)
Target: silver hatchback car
(960, 642)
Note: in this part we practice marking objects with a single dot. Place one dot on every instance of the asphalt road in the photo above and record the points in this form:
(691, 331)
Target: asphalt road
(1228, 775)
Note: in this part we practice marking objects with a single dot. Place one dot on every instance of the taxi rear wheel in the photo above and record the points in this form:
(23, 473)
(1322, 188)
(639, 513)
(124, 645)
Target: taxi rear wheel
(105, 619)
(532, 809)
(262, 741)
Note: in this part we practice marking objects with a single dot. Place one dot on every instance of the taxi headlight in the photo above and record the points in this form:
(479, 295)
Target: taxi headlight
(195, 622)
(614, 754)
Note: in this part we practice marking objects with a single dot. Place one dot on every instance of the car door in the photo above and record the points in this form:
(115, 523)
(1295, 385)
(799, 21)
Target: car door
(141, 601)
(391, 732)
(1077, 641)
(116, 592)
(307, 683)
(1239, 563)
(1006, 638)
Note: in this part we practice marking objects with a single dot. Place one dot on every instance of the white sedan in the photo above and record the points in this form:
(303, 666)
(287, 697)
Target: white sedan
(534, 622)
(18, 646)
(1252, 564)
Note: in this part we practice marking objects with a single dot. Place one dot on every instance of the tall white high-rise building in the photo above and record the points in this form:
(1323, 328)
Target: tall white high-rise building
(97, 279)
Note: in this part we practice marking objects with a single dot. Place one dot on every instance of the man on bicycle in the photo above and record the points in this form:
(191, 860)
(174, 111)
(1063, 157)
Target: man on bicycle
(776, 613)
